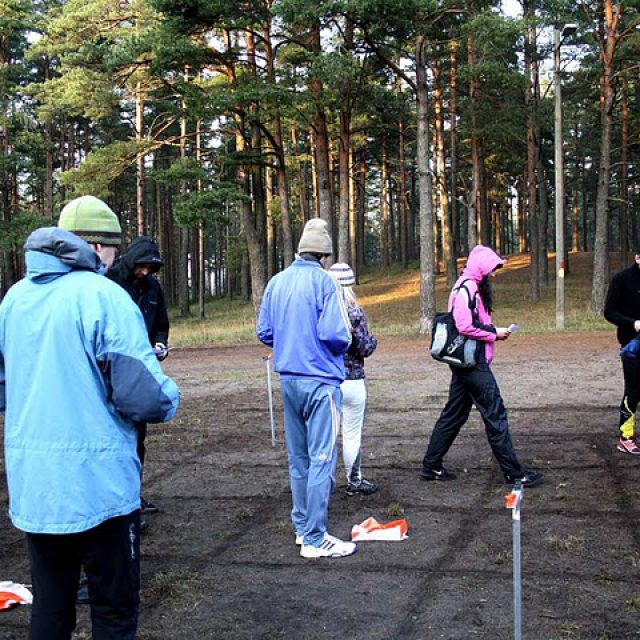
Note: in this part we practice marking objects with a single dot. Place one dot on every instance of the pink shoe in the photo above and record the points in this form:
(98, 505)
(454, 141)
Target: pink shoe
(628, 446)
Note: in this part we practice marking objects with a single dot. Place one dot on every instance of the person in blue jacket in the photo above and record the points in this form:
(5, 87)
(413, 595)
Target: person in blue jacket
(304, 318)
(76, 372)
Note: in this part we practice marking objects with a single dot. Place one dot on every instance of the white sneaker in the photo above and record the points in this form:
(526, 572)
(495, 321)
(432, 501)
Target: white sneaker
(299, 538)
(330, 548)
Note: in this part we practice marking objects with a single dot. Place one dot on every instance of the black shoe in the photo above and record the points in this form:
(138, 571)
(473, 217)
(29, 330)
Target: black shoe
(531, 478)
(147, 507)
(440, 474)
(361, 486)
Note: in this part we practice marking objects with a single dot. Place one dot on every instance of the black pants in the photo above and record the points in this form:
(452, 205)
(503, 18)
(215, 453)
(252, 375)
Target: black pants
(110, 555)
(474, 386)
(141, 449)
(629, 403)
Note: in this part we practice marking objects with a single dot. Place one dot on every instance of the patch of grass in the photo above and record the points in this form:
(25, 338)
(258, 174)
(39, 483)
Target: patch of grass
(633, 602)
(168, 585)
(242, 514)
(392, 303)
(566, 543)
(395, 510)
(569, 630)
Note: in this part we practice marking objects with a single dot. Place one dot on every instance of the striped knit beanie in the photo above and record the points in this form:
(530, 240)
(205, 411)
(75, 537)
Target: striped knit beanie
(343, 274)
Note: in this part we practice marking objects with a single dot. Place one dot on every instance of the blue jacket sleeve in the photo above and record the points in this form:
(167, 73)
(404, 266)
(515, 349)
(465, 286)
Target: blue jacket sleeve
(334, 327)
(3, 393)
(264, 326)
(137, 387)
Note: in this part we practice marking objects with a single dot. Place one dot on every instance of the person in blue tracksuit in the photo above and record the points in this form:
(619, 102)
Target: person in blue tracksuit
(304, 319)
(76, 372)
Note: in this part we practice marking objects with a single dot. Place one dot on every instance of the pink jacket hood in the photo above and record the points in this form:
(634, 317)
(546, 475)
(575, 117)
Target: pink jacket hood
(481, 262)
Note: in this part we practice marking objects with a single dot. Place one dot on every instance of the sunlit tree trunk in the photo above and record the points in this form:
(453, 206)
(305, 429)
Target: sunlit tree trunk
(427, 279)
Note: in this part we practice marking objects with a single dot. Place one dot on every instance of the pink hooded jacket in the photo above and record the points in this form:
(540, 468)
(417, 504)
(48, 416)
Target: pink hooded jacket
(480, 263)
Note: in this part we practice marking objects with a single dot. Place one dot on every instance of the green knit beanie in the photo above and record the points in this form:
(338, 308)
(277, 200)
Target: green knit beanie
(92, 220)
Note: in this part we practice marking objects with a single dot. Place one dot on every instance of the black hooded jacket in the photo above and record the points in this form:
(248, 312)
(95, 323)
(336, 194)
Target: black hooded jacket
(145, 292)
(622, 307)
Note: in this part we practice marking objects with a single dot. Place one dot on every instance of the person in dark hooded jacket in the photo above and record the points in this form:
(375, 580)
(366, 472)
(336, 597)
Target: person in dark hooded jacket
(134, 271)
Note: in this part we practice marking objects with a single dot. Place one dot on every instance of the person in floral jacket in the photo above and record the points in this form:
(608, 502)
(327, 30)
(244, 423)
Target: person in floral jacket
(354, 387)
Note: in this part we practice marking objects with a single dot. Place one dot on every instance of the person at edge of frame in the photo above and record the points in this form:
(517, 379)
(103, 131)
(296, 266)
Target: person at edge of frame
(77, 342)
(304, 319)
(622, 308)
(471, 301)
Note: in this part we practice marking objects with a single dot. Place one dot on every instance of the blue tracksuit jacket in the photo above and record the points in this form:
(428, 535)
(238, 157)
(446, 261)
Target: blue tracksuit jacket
(304, 319)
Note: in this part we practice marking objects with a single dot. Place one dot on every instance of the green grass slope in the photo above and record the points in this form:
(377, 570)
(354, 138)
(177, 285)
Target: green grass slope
(391, 302)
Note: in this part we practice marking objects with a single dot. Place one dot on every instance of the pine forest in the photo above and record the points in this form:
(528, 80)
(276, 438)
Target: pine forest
(415, 128)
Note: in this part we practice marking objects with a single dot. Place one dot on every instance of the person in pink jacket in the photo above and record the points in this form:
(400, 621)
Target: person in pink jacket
(471, 303)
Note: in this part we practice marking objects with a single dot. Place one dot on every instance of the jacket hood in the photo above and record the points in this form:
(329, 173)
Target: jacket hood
(481, 262)
(51, 252)
(143, 250)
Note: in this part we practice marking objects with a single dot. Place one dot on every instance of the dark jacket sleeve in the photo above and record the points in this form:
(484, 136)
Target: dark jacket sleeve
(614, 304)
(363, 344)
(160, 330)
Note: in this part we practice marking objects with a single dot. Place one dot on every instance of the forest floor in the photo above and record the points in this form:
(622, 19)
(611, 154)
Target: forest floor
(220, 563)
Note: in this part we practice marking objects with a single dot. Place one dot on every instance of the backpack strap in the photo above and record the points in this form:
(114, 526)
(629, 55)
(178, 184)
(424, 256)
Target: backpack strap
(472, 299)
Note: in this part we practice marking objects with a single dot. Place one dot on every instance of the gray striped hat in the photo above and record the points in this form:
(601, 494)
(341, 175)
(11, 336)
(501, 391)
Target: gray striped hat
(343, 274)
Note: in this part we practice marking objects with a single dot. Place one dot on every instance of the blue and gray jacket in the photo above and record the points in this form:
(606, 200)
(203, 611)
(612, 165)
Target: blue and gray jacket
(76, 370)
(304, 319)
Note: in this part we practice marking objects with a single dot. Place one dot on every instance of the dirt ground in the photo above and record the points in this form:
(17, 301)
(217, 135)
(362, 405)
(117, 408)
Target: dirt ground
(220, 562)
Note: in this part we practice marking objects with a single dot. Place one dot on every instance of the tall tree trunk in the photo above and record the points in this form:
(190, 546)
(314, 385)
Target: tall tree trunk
(453, 152)
(607, 98)
(625, 247)
(532, 157)
(323, 172)
(384, 206)
(279, 149)
(271, 245)
(448, 253)
(183, 272)
(476, 178)
(427, 279)
(344, 154)
(403, 184)
(253, 230)
(202, 273)
(356, 259)
(543, 221)
(140, 220)
(361, 207)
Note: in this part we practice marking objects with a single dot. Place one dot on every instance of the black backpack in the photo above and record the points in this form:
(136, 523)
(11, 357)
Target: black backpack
(447, 344)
